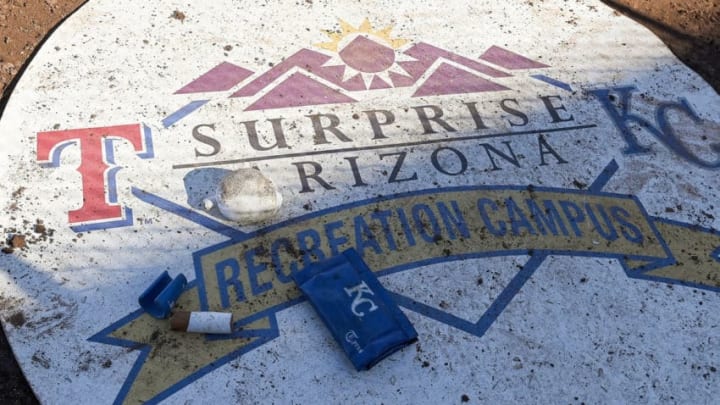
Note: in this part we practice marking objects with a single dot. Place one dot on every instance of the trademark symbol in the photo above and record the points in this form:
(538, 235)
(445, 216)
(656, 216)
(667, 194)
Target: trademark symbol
(146, 221)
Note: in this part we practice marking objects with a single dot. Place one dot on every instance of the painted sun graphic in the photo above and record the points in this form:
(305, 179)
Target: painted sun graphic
(371, 53)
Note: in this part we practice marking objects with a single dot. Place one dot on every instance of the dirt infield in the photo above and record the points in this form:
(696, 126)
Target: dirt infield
(691, 29)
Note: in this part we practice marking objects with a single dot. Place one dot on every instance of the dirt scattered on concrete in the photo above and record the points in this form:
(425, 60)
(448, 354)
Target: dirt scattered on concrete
(40, 358)
(17, 319)
(85, 362)
(40, 227)
(178, 15)
(17, 241)
(61, 318)
(691, 28)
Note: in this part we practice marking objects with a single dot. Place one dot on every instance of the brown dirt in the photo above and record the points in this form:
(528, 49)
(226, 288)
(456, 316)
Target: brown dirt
(23, 24)
(691, 28)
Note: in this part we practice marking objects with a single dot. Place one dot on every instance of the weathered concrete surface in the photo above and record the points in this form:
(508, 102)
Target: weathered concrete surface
(536, 186)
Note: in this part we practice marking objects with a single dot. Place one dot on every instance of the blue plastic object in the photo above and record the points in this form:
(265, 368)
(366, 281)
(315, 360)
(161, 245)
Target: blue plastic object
(159, 298)
(356, 308)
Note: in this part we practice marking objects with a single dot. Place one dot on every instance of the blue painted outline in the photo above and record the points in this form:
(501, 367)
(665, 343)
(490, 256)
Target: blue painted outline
(490, 315)
(111, 173)
(604, 177)
(204, 370)
(104, 336)
(553, 82)
(183, 112)
(126, 220)
(641, 272)
(186, 213)
(148, 146)
(55, 154)
(517, 283)
(109, 157)
(478, 328)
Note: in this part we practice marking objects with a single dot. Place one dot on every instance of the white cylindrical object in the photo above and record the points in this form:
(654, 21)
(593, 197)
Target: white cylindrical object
(202, 322)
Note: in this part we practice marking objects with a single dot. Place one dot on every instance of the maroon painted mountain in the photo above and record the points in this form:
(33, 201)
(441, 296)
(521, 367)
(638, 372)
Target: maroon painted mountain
(310, 77)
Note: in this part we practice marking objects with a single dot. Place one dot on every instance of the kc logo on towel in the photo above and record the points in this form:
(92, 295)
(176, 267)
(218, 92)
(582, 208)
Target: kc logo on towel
(356, 293)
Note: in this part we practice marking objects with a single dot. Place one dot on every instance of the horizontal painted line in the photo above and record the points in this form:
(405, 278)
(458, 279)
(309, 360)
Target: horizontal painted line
(375, 147)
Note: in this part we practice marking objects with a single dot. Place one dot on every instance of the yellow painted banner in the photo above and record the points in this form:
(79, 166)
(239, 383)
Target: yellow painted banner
(253, 275)
(250, 275)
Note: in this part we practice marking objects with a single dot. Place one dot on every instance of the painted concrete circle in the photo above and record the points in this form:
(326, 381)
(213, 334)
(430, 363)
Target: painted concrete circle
(536, 186)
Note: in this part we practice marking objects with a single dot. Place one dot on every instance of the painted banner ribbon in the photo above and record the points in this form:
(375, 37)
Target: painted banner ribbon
(249, 275)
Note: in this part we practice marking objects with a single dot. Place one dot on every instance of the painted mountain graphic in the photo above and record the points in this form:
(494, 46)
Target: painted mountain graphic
(310, 77)
(299, 90)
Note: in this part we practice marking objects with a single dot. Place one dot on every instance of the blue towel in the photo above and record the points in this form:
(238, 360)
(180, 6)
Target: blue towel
(356, 308)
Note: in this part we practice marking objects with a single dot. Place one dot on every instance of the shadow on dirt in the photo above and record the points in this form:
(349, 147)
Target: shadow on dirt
(700, 50)
(14, 389)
